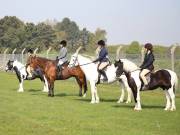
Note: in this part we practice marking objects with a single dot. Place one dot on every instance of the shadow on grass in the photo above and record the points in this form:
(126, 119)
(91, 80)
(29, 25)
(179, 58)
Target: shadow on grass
(143, 106)
(33, 90)
(101, 100)
(65, 95)
(83, 99)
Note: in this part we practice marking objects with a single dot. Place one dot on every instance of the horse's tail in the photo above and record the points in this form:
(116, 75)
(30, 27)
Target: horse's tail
(85, 84)
(176, 82)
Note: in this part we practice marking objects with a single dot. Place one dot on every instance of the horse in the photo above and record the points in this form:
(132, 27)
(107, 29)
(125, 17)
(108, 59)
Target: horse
(90, 70)
(49, 68)
(163, 78)
(21, 74)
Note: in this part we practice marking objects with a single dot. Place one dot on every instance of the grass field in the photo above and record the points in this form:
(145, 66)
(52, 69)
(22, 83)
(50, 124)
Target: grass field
(33, 113)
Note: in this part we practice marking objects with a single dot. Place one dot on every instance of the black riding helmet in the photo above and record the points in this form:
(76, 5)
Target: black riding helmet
(148, 46)
(63, 42)
(101, 42)
(30, 51)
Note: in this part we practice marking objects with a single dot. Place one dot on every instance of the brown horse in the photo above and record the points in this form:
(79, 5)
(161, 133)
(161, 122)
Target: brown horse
(49, 69)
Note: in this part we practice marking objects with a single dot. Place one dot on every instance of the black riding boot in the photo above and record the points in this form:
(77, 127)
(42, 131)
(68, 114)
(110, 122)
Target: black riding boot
(104, 75)
(59, 69)
(99, 76)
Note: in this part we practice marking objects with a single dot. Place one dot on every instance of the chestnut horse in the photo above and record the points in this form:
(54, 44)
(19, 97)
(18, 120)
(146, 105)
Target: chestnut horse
(49, 69)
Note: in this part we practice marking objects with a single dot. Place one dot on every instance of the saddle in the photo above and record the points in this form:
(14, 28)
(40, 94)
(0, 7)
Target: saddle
(60, 68)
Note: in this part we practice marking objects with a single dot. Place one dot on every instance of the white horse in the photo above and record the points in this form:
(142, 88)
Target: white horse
(164, 78)
(90, 70)
(21, 74)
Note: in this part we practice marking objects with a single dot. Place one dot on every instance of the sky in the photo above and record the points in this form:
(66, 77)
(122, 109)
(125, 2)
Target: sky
(154, 21)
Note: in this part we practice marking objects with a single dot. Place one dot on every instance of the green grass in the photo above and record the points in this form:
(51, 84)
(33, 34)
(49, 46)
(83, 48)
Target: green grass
(34, 113)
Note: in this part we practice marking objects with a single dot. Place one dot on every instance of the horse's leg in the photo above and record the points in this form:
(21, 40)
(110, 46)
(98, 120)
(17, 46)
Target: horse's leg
(129, 94)
(52, 89)
(96, 95)
(49, 87)
(121, 99)
(168, 101)
(46, 89)
(85, 86)
(172, 95)
(138, 107)
(80, 86)
(92, 83)
(21, 85)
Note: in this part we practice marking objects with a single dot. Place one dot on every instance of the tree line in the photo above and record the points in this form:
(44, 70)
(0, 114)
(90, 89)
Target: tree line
(14, 33)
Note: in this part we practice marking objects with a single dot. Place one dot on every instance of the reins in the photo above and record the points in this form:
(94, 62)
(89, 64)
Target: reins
(81, 64)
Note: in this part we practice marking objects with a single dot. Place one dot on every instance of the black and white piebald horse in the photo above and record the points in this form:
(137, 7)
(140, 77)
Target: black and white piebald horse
(22, 75)
(164, 78)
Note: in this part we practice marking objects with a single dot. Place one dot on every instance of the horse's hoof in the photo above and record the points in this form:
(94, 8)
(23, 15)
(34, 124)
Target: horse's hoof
(45, 91)
(80, 94)
(120, 101)
(166, 109)
(92, 102)
(127, 102)
(97, 101)
(137, 109)
(84, 95)
(173, 109)
(20, 91)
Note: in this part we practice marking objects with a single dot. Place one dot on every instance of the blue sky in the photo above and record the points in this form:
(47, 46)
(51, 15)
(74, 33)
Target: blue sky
(155, 21)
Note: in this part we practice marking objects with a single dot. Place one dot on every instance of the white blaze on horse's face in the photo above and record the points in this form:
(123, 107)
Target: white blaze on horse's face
(74, 60)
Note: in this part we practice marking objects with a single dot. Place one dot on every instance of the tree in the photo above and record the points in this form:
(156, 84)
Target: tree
(70, 28)
(84, 37)
(134, 48)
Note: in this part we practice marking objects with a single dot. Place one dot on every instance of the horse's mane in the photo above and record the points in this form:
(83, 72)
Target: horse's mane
(129, 65)
(18, 62)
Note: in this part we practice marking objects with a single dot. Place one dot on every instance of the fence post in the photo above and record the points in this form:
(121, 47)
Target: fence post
(35, 51)
(142, 54)
(13, 52)
(22, 55)
(172, 56)
(4, 56)
(47, 52)
(118, 52)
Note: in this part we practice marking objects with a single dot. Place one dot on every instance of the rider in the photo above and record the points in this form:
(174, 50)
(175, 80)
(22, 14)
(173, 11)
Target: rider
(62, 55)
(36, 72)
(102, 60)
(147, 65)
(30, 53)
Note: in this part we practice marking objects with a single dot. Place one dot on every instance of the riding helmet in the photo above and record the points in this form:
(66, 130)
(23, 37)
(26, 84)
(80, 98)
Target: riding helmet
(101, 42)
(148, 46)
(30, 51)
(63, 42)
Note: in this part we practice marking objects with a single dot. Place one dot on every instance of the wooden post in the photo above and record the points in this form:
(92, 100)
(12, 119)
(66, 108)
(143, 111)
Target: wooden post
(172, 56)
(4, 57)
(142, 54)
(22, 55)
(118, 52)
(35, 51)
(13, 52)
(47, 52)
